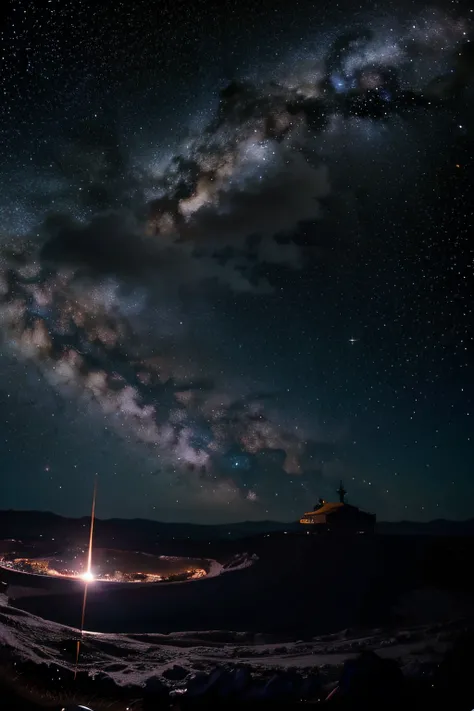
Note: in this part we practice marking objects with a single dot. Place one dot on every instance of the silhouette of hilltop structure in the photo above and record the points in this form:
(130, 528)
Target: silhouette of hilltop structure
(338, 517)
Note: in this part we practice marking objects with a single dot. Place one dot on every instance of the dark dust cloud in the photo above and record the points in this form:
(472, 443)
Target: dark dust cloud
(236, 262)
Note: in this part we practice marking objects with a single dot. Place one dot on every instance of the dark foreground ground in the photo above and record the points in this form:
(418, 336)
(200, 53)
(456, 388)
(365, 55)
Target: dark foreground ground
(300, 586)
(368, 683)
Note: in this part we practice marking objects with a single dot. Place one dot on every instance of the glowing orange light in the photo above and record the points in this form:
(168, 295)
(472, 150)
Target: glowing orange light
(87, 577)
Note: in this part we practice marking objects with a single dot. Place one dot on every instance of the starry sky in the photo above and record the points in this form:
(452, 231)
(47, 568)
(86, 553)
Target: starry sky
(236, 258)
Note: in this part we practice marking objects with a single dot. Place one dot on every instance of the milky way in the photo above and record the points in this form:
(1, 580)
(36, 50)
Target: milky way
(119, 255)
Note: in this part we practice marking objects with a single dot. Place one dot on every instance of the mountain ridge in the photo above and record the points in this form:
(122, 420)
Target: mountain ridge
(14, 523)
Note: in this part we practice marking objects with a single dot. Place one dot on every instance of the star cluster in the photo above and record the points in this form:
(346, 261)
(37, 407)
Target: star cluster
(225, 293)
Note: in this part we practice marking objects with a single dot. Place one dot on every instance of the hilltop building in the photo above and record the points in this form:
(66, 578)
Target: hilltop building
(338, 517)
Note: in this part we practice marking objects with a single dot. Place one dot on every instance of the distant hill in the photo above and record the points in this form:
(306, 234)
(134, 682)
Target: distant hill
(31, 525)
(438, 527)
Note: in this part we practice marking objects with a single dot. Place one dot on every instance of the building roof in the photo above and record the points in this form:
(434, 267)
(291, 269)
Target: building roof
(329, 508)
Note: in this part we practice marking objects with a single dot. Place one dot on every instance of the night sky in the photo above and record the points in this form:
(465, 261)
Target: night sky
(223, 301)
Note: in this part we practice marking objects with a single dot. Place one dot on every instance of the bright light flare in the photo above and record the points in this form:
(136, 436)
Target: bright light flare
(87, 576)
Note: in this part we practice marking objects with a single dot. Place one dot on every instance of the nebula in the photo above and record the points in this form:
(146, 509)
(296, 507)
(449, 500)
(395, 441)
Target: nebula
(94, 292)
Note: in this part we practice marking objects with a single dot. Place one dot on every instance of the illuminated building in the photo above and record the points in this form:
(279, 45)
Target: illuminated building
(338, 517)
